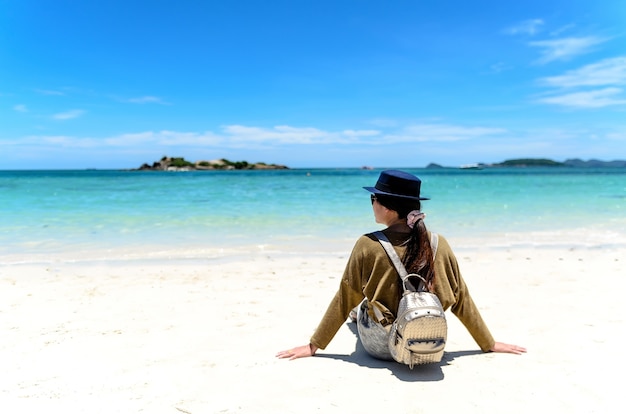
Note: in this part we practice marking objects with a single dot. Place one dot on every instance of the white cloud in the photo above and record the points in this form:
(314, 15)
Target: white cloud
(281, 134)
(589, 99)
(606, 72)
(566, 48)
(616, 136)
(526, 27)
(147, 99)
(361, 133)
(132, 139)
(64, 116)
(584, 84)
(165, 139)
(562, 29)
(139, 141)
(419, 144)
(384, 122)
(240, 136)
(500, 67)
(443, 133)
(284, 134)
(20, 108)
(48, 142)
(49, 92)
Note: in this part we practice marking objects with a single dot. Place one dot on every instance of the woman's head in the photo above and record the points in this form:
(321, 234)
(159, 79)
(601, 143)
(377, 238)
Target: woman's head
(402, 206)
(398, 191)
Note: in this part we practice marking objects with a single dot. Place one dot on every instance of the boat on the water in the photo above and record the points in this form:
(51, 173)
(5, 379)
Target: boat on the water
(473, 166)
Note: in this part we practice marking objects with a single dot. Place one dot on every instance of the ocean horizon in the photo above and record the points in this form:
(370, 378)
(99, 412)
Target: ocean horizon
(80, 215)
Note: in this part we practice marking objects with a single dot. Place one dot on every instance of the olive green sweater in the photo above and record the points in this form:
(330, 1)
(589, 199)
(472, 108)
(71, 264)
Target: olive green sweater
(370, 274)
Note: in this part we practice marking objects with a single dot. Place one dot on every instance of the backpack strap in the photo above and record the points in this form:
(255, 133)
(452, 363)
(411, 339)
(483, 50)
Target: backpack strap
(434, 243)
(391, 252)
(397, 262)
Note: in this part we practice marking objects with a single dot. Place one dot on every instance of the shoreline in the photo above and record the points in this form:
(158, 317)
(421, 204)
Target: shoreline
(589, 238)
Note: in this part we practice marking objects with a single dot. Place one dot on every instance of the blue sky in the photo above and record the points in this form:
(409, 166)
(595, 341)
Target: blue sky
(341, 83)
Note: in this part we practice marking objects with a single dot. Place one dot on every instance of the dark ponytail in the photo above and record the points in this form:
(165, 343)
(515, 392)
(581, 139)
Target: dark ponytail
(418, 257)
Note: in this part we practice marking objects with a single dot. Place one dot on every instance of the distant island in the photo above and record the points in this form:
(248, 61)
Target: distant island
(181, 164)
(541, 162)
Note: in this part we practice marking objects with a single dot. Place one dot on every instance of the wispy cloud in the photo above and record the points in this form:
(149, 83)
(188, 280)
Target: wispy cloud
(610, 71)
(420, 143)
(441, 133)
(500, 67)
(48, 92)
(241, 136)
(588, 99)
(562, 29)
(20, 108)
(165, 139)
(283, 134)
(64, 116)
(147, 99)
(616, 136)
(566, 48)
(423, 132)
(384, 122)
(582, 85)
(526, 27)
(361, 133)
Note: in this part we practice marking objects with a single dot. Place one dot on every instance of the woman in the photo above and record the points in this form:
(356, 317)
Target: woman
(371, 283)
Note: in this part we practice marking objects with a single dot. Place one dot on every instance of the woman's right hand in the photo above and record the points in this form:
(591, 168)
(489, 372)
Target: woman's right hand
(507, 348)
(298, 352)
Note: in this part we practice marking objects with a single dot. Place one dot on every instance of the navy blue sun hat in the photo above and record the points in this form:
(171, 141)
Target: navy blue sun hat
(397, 183)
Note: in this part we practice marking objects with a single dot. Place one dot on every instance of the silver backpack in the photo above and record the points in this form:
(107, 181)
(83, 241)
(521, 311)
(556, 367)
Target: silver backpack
(419, 333)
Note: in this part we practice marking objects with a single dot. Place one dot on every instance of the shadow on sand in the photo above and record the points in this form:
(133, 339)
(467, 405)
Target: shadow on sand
(429, 372)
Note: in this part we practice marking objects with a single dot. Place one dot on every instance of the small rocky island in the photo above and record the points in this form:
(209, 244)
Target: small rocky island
(181, 164)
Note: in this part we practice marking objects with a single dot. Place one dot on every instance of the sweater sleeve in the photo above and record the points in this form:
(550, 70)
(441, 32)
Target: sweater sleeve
(454, 294)
(349, 295)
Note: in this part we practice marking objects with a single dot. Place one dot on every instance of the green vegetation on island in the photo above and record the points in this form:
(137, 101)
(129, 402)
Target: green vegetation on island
(181, 164)
(530, 162)
(538, 162)
(574, 163)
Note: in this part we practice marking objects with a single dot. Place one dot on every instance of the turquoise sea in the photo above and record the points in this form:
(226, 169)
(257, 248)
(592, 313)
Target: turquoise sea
(105, 214)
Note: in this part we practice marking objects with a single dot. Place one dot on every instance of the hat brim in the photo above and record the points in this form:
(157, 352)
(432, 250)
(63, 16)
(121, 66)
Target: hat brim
(377, 191)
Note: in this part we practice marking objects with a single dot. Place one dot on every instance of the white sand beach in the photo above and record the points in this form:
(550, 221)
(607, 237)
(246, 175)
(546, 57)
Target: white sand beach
(201, 337)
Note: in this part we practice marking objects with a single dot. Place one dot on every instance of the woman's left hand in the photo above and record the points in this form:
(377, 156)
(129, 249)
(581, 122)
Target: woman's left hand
(507, 348)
